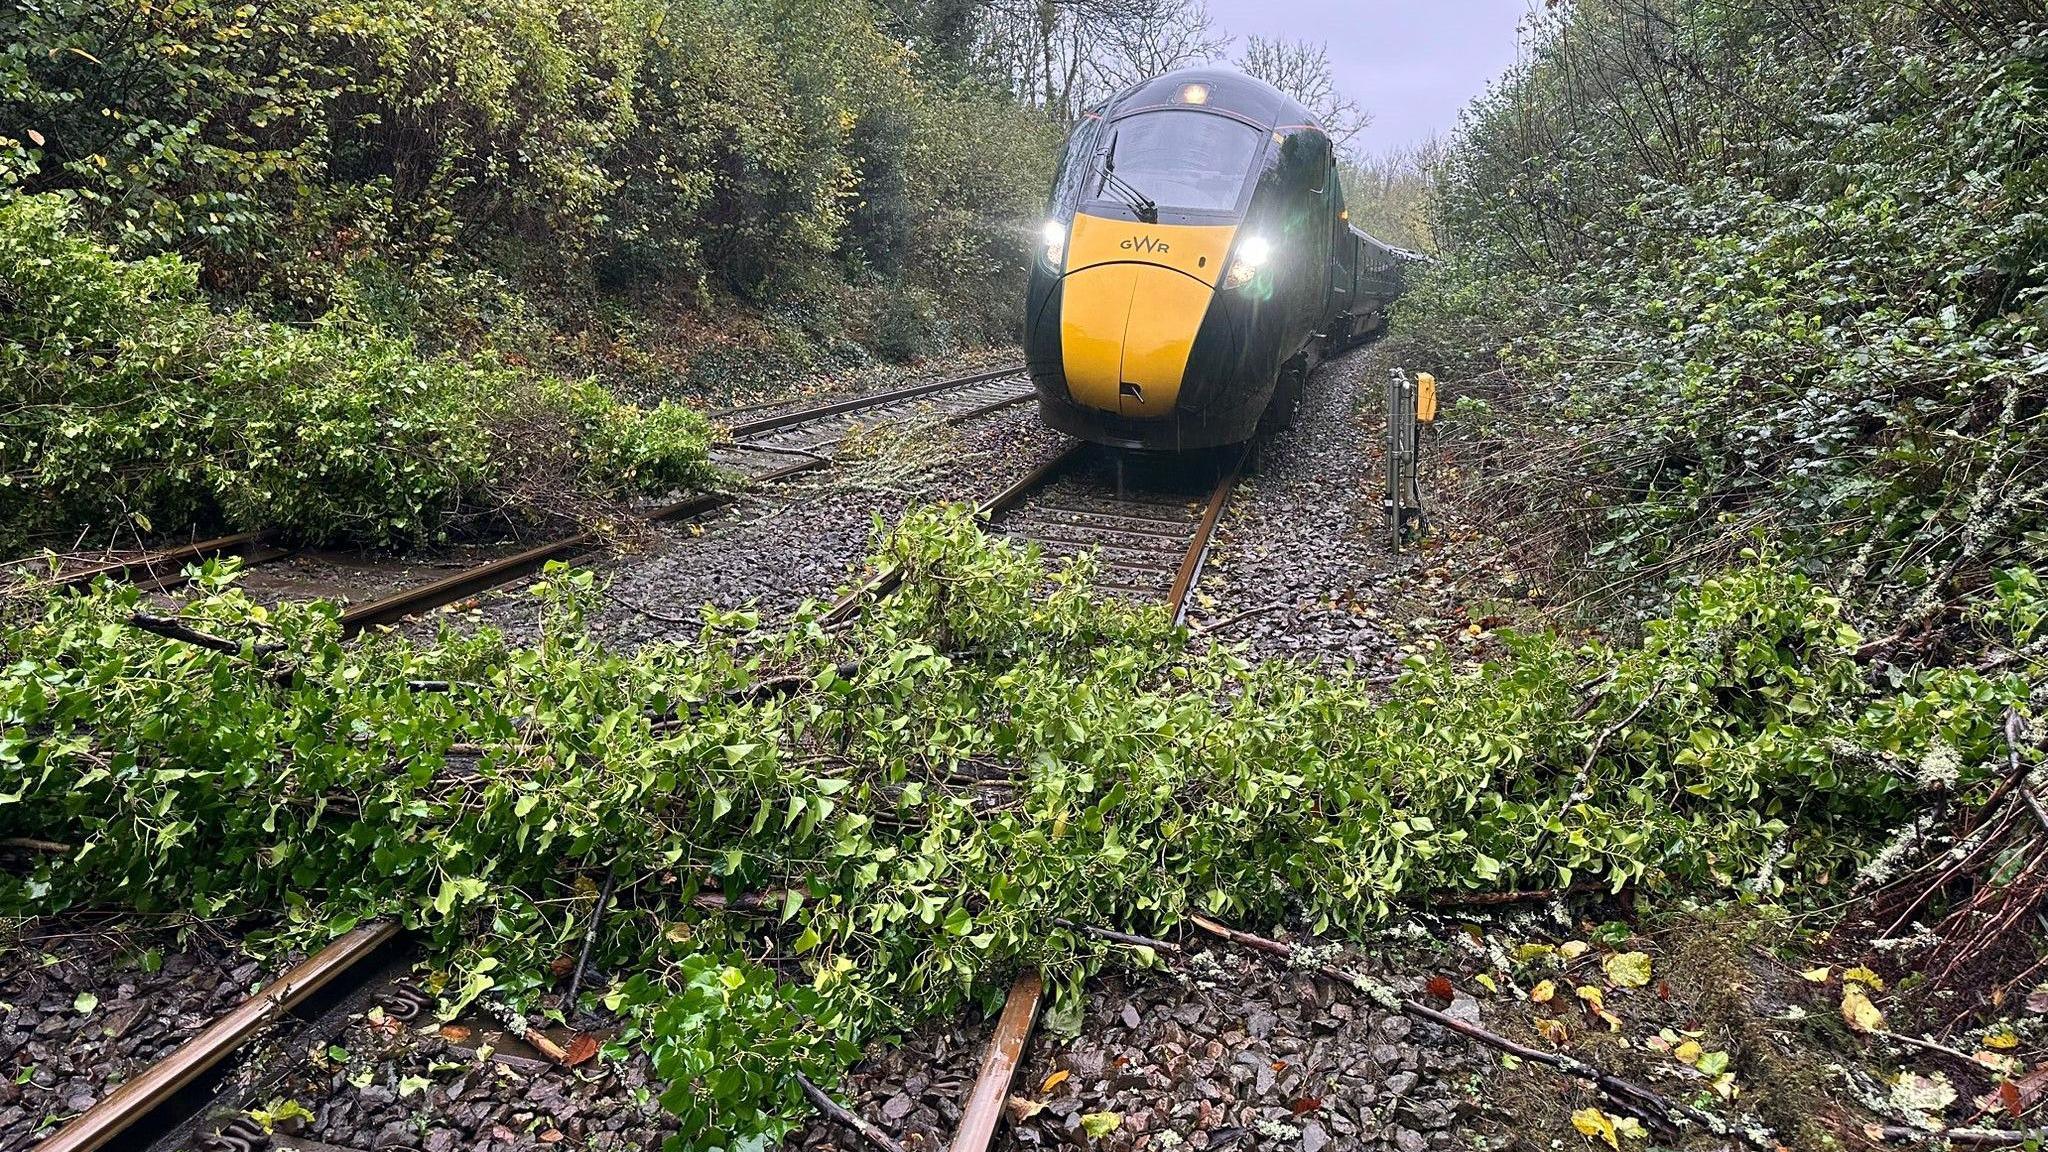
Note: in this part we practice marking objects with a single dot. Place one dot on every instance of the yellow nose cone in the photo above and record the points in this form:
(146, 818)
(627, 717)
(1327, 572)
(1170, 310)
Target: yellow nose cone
(1133, 298)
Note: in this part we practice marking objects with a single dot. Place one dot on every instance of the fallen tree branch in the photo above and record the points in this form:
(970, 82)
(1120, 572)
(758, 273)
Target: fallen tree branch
(1525, 896)
(2015, 732)
(604, 899)
(1636, 1098)
(1582, 787)
(838, 1112)
(31, 844)
(171, 628)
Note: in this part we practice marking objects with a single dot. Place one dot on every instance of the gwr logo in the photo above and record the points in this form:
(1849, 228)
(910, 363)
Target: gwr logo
(1144, 244)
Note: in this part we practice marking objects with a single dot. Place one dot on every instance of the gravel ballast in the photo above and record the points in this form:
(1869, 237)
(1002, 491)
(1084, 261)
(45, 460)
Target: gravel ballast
(86, 1004)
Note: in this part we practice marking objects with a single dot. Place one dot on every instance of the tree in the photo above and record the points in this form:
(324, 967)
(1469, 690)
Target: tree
(1392, 194)
(1302, 70)
(1154, 37)
(1066, 55)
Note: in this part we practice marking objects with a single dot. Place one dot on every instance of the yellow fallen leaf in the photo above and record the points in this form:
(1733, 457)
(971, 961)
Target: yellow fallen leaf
(1573, 949)
(1687, 1053)
(2002, 1038)
(1627, 969)
(1593, 998)
(1553, 1030)
(1818, 975)
(1858, 1012)
(1053, 1081)
(2007, 1066)
(1594, 1122)
(1486, 982)
(1542, 992)
(1865, 976)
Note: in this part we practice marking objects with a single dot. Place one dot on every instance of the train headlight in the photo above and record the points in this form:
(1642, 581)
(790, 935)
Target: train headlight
(1054, 246)
(1252, 254)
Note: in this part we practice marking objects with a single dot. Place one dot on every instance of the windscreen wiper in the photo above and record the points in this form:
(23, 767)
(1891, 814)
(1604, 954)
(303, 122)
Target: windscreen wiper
(1124, 190)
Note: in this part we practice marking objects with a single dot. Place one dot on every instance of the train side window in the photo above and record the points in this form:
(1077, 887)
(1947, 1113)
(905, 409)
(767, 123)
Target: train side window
(1078, 162)
(1316, 154)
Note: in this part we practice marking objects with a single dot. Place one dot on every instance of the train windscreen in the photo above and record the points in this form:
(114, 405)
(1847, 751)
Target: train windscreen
(1192, 161)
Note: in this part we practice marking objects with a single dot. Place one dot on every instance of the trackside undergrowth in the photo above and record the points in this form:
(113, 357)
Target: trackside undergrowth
(129, 405)
(917, 799)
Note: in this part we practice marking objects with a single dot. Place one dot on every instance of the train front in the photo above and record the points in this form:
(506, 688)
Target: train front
(1152, 320)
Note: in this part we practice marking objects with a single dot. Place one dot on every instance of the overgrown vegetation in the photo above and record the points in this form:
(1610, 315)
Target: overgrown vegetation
(913, 804)
(1771, 271)
(130, 403)
(539, 156)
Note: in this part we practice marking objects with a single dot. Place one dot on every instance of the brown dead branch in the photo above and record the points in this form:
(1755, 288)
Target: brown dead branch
(1638, 1100)
(839, 1113)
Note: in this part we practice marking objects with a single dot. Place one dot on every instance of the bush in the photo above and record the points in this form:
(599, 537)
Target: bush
(1765, 272)
(127, 400)
(681, 145)
(922, 801)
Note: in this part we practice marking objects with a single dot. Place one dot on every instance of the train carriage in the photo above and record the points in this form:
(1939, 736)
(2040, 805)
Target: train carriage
(1196, 262)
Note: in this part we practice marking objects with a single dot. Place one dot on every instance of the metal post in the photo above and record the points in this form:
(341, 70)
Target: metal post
(1403, 496)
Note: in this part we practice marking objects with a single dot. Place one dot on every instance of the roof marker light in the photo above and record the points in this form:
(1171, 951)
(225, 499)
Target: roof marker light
(1195, 94)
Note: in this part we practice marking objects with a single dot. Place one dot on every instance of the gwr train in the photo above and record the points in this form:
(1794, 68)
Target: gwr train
(1197, 261)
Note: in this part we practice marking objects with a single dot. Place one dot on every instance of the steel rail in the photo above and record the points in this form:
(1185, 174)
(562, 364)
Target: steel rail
(984, 1108)
(1198, 550)
(139, 1098)
(763, 405)
(253, 547)
(455, 586)
(872, 400)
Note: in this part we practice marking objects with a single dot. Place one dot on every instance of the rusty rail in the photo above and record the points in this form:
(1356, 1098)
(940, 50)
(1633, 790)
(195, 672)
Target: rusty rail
(456, 586)
(1198, 551)
(139, 1098)
(984, 1108)
(164, 567)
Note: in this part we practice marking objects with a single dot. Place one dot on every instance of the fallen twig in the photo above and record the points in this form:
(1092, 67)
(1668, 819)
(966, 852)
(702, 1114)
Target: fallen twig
(604, 898)
(838, 1112)
(1636, 1098)
(1933, 1046)
(1215, 626)
(1117, 937)
(1980, 1137)
(517, 1026)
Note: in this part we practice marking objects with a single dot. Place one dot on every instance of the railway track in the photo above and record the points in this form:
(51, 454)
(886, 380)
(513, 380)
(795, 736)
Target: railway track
(1150, 521)
(1153, 525)
(761, 451)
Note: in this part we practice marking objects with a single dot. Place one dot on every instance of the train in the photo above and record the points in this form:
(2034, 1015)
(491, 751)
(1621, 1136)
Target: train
(1196, 263)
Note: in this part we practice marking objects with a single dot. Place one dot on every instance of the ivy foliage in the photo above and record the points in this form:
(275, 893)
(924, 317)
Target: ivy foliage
(125, 400)
(907, 808)
(1775, 271)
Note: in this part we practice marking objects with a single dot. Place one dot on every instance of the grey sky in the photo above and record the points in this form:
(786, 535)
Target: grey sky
(1411, 63)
